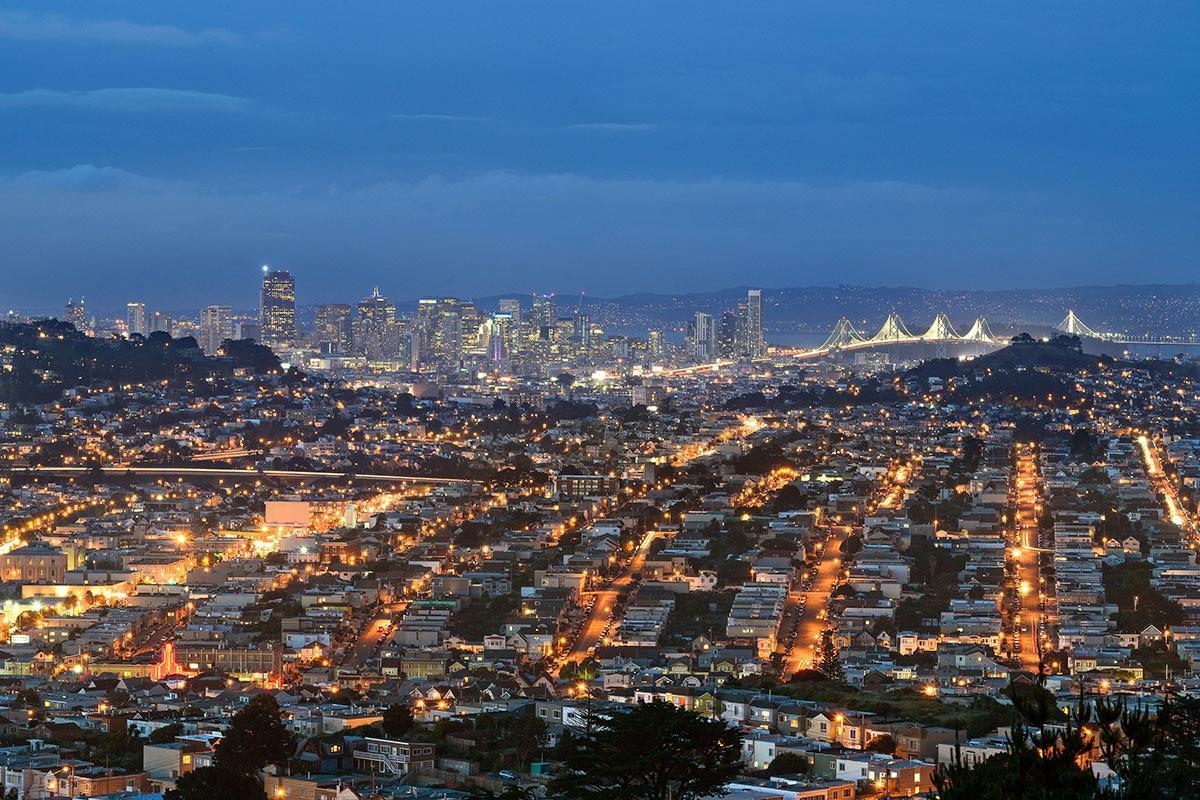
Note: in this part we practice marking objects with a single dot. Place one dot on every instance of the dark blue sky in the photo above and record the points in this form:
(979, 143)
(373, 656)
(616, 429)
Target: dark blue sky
(164, 150)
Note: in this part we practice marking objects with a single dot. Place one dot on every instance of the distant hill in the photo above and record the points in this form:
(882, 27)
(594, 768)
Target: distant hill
(1058, 354)
(42, 359)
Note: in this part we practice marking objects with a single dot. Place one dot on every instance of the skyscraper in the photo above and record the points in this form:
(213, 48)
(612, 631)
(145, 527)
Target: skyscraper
(511, 307)
(582, 332)
(135, 319)
(447, 331)
(655, 345)
(76, 314)
(373, 327)
(727, 335)
(703, 339)
(333, 327)
(160, 321)
(756, 345)
(216, 325)
(277, 308)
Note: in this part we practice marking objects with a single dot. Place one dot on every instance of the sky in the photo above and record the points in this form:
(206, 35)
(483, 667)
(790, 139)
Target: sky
(162, 151)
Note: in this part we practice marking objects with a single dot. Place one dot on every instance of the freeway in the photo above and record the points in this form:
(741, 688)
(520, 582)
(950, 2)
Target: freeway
(225, 472)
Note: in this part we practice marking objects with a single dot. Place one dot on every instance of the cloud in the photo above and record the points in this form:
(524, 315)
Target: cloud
(614, 127)
(25, 26)
(440, 118)
(132, 99)
(90, 178)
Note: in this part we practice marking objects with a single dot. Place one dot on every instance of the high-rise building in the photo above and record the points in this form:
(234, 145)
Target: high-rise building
(500, 337)
(511, 328)
(136, 319)
(471, 322)
(277, 308)
(756, 346)
(161, 322)
(543, 313)
(216, 325)
(655, 346)
(703, 339)
(332, 329)
(373, 334)
(582, 332)
(512, 307)
(76, 314)
(247, 329)
(448, 331)
(727, 335)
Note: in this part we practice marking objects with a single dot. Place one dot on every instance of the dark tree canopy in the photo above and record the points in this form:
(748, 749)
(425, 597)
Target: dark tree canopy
(397, 719)
(208, 783)
(653, 751)
(256, 738)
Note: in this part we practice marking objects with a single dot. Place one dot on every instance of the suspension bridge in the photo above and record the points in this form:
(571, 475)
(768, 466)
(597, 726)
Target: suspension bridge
(846, 338)
(978, 339)
(1074, 326)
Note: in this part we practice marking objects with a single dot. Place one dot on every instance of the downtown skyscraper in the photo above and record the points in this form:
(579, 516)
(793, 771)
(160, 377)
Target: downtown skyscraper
(277, 308)
(756, 346)
(216, 325)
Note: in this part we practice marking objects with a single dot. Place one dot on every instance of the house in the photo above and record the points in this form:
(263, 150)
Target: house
(393, 757)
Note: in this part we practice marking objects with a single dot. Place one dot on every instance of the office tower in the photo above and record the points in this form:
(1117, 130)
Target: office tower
(654, 345)
(136, 319)
(756, 345)
(500, 339)
(447, 331)
(332, 328)
(543, 313)
(727, 335)
(741, 337)
(373, 334)
(702, 337)
(427, 308)
(76, 314)
(161, 322)
(215, 327)
(247, 329)
(512, 307)
(582, 332)
(512, 327)
(471, 322)
(277, 308)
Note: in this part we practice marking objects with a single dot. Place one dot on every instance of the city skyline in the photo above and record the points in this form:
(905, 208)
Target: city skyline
(618, 401)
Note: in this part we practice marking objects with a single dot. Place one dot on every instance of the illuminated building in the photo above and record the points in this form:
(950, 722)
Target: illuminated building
(277, 308)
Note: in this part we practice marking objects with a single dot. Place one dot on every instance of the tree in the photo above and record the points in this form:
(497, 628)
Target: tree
(883, 743)
(828, 663)
(397, 719)
(653, 751)
(788, 764)
(1150, 756)
(209, 782)
(166, 733)
(566, 382)
(256, 738)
